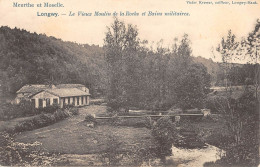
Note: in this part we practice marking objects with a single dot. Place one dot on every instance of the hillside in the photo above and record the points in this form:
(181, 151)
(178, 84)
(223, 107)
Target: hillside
(35, 58)
(212, 67)
(30, 58)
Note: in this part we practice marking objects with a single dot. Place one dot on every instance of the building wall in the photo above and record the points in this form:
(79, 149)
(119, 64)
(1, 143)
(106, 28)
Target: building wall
(44, 96)
(41, 98)
(22, 96)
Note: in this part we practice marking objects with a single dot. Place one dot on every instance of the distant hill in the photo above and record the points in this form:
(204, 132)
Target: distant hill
(216, 71)
(213, 67)
(30, 58)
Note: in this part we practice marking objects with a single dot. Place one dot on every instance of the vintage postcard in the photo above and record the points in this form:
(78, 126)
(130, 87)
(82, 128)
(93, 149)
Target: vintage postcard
(129, 83)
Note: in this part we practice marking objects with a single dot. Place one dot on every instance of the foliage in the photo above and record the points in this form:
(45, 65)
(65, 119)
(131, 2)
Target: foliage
(112, 155)
(192, 87)
(23, 109)
(142, 155)
(141, 122)
(90, 118)
(114, 119)
(22, 154)
(10, 111)
(48, 109)
(31, 58)
(243, 126)
(42, 120)
(150, 78)
(241, 114)
(74, 111)
(164, 133)
(216, 103)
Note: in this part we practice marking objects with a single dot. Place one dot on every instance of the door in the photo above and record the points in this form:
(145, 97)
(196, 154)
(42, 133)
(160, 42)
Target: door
(40, 103)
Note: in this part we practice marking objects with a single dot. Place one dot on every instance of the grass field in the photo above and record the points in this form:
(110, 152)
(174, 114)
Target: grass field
(72, 136)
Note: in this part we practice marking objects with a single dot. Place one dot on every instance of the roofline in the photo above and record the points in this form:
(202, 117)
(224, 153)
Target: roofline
(64, 96)
(19, 91)
(76, 96)
(36, 93)
(55, 94)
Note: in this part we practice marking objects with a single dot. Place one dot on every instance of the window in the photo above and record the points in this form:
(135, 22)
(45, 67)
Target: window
(40, 103)
(55, 101)
(86, 99)
(68, 100)
(82, 100)
(77, 100)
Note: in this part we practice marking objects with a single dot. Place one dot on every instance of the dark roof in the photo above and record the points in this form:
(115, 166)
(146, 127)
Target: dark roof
(37, 88)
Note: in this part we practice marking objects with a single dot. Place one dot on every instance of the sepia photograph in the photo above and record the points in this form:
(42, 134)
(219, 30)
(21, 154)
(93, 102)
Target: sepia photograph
(133, 83)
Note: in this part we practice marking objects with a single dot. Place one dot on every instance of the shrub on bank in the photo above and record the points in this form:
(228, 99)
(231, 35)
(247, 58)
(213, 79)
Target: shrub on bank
(10, 111)
(23, 154)
(74, 111)
(48, 109)
(25, 108)
(142, 122)
(90, 118)
(43, 120)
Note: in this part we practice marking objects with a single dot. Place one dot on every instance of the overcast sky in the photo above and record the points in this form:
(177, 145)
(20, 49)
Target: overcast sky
(206, 25)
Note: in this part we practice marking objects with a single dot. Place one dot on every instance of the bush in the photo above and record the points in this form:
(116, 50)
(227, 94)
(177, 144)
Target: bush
(61, 114)
(42, 120)
(67, 106)
(164, 133)
(48, 109)
(37, 122)
(149, 123)
(26, 125)
(215, 103)
(74, 111)
(90, 118)
(112, 155)
(22, 154)
(10, 111)
(114, 119)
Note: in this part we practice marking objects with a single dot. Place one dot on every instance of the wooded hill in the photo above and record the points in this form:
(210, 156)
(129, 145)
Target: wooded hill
(31, 58)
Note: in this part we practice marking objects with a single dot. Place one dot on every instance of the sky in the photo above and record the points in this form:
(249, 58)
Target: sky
(206, 25)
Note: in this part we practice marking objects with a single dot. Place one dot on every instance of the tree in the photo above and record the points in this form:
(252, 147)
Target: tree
(164, 133)
(192, 80)
(227, 49)
(240, 113)
(252, 44)
(121, 45)
(192, 87)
